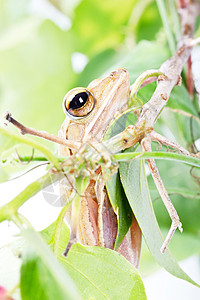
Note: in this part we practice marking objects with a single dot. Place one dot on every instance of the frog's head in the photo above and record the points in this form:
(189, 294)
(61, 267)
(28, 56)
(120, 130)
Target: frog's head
(90, 110)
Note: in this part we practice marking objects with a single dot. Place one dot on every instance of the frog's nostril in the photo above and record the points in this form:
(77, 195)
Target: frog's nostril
(118, 72)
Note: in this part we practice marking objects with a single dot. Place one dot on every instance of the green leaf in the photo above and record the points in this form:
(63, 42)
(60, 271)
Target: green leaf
(56, 236)
(115, 190)
(183, 191)
(42, 276)
(188, 206)
(94, 34)
(37, 281)
(183, 246)
(136, 188)
(8, 139)
(35, 72)
(119, 201)
(136, 61)
(180, 99)
(102, 273)
(146, 20)
(118, 125)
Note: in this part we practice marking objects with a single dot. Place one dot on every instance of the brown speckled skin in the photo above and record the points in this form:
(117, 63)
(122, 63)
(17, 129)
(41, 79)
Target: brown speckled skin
(111, 94)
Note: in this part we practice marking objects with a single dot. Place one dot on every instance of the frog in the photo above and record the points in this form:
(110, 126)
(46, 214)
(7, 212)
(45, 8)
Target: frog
(89, 112)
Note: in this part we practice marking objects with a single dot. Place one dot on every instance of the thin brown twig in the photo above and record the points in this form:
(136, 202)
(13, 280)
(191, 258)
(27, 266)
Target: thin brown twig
(25, 162)
(26, 130)
(163, 140)
(146, 145)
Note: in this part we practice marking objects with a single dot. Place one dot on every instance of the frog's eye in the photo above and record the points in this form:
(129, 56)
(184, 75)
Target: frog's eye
(78, 103)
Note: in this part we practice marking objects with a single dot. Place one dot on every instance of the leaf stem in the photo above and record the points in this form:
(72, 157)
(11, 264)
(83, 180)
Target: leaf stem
(190, 160)
(16, 287)
(47, 153)
(139, 81)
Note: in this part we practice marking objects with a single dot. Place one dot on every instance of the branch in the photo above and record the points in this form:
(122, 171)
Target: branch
(163, 140)
(146, 145)
(171, 68)
(26, 130)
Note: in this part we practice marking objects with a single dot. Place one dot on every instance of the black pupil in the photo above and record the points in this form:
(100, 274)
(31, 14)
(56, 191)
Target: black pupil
(78, 101)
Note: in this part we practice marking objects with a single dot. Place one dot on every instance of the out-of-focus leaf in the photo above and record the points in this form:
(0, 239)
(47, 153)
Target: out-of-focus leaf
(102, 273)
(97, 66)
(9, 163)
(56, 237)
(10, 145)
(136, 188)
(37, 281)
(42, 276)
(184, 193)
(98, 25)
(35, 74)
(177, 127)
(136, 61)
(179, 99)
(12, 12)
(188, 210)
(149, 22)
(183, 246)
(9, 271)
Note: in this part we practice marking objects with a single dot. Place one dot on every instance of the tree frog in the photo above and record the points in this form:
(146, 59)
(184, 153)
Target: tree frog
(89, 111)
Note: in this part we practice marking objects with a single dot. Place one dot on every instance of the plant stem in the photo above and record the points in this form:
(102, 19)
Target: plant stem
(146, 145)
(20, 139)
(139, 81)
(190, 160)
(9, 210)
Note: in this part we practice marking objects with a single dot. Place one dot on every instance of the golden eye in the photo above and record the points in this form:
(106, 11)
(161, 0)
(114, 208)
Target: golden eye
(78, 103)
